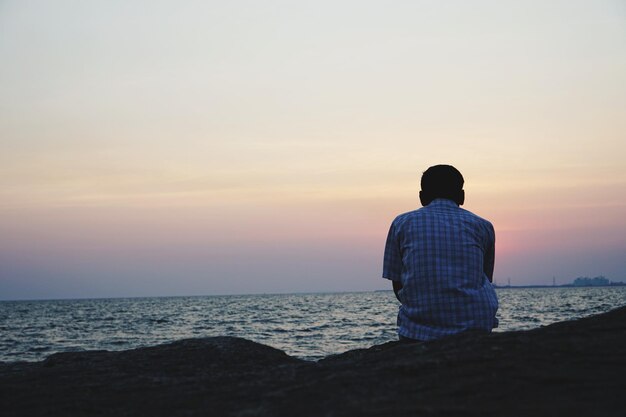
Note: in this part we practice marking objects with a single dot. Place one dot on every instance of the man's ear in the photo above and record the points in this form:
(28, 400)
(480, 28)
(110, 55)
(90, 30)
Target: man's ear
(423, 199)
(461, 197)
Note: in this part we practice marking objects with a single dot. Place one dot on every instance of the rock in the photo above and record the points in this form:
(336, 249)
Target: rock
(567, 369)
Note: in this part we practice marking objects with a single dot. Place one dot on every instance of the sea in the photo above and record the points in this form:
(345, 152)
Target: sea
(307, 326)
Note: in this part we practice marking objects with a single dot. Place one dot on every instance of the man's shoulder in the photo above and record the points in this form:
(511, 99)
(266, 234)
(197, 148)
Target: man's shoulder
(476, 218)
(425, 214)
(404, 217)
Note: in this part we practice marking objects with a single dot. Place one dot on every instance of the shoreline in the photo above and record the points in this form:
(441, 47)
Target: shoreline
(571, 367)
(613, 285)
(618, 284)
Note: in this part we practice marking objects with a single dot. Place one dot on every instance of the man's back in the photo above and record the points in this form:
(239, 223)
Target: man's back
(443, 257)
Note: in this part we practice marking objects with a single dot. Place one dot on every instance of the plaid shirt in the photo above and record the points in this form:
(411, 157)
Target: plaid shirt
(444, 257)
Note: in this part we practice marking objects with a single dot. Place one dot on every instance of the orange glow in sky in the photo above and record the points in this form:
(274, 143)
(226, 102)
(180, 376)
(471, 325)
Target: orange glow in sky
(217, 147)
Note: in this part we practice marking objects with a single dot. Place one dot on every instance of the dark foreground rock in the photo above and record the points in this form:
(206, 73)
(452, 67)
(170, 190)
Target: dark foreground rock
(575, 368)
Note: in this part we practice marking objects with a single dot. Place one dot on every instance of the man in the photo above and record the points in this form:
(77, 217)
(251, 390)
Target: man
(440, 260)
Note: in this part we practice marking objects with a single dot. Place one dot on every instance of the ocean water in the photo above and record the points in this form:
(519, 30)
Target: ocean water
(308, 326)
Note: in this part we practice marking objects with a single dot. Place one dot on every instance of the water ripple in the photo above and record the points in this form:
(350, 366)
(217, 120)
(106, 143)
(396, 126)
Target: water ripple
(309, 326)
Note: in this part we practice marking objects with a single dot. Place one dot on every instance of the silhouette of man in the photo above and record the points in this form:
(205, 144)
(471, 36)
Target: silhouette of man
(440, 260)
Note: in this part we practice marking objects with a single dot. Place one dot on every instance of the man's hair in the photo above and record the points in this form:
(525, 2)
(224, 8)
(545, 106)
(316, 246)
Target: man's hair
(442, 181)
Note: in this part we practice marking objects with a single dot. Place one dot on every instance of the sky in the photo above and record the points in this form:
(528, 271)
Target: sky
(153, 148)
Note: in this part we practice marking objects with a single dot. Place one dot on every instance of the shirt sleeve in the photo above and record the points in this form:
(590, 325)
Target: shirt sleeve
(490, 252)
(392, 261)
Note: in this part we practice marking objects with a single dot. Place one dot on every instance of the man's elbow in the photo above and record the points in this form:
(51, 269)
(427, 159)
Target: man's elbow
(397, 286)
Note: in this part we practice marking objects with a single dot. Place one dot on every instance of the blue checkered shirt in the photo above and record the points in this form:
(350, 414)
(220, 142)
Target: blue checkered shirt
(444, 257)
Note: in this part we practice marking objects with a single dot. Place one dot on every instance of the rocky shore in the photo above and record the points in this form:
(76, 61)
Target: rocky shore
(574, 368)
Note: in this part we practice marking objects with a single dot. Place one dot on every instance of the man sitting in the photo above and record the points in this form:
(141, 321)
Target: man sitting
(440, 259)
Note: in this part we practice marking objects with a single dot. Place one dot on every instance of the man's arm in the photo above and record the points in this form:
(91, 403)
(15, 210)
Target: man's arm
(397, 286)
(490, 255)
(392, 263)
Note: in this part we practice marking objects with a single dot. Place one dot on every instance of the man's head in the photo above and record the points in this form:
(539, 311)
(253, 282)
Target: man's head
(442, 181)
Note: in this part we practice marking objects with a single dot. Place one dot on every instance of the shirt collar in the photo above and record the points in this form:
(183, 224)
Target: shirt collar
(442, 202)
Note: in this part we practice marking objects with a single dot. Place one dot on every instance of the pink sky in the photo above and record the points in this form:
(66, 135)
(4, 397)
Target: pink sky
(231, 148)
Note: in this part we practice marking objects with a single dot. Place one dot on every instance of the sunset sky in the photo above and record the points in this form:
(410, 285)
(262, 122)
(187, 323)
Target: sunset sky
(203, 147)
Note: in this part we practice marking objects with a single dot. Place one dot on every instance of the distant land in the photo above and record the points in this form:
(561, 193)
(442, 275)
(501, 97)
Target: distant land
(599, 281)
